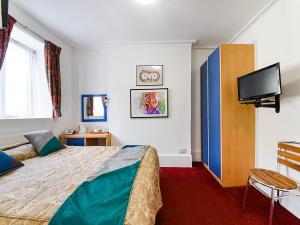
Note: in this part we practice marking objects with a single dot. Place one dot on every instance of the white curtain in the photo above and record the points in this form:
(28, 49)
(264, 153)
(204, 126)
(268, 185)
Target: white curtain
(25, 92)
(17, 91)
(42, 105)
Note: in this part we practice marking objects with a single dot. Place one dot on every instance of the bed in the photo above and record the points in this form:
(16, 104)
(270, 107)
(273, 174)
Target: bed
(32, 194)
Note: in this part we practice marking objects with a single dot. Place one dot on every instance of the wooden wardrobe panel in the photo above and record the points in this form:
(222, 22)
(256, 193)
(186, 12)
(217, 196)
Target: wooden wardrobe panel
(238, 121)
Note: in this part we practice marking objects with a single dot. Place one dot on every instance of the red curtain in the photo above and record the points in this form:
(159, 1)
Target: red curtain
(4, 38)
(52, 53)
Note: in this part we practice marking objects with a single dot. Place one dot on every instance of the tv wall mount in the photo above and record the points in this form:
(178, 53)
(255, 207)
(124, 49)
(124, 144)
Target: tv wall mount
(266, 103)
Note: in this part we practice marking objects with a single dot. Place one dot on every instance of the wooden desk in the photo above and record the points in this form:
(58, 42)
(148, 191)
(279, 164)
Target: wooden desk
(103, 139)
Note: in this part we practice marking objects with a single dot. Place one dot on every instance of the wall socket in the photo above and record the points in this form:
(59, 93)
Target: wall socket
(182, 151)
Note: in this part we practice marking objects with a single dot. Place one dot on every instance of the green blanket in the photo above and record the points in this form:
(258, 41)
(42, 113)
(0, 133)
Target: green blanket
(101, 201)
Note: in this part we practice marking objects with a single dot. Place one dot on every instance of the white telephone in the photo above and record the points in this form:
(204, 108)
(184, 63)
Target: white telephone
(69, 131)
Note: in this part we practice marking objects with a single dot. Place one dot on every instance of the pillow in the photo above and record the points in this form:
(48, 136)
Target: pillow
(44, 142)
(7, 163)
(22, 153)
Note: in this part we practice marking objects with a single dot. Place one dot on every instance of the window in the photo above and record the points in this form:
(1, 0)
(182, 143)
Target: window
(23, 84)
(98, 107)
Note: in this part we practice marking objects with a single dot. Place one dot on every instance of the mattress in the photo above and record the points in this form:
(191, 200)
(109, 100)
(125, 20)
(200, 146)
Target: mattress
(32, 194)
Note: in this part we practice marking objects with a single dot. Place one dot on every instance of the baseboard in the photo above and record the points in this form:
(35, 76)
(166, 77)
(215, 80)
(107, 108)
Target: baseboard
(175, 160)
(196, 154)
(291, 203)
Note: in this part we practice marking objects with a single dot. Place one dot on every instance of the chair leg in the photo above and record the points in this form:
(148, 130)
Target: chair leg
(271, 207)
(246, 192)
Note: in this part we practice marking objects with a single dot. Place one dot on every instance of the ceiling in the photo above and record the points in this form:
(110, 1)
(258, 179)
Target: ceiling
(91, 23)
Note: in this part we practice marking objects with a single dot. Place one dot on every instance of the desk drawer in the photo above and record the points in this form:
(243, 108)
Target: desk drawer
(75, 141)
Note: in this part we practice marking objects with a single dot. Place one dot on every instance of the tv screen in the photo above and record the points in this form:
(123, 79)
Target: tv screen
(260, 84)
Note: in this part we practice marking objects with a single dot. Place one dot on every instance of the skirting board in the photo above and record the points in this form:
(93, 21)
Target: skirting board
(291, 203)
(175, 160)
(196, 154)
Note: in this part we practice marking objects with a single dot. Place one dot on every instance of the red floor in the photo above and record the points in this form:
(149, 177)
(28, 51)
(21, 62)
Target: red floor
(192, 197)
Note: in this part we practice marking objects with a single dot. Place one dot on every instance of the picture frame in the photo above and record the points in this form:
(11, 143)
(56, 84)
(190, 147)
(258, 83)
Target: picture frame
(149, 75)
(90, 102)
(149, 103)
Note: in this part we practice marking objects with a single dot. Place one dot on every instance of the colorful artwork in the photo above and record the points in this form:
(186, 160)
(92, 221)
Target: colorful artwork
(149, 75)
(149, 103)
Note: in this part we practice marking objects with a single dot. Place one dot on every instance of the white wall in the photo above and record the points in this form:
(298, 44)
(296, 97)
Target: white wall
(276, 35)
(115, 65)
(199, 56)
(90, 70)
(57, 125)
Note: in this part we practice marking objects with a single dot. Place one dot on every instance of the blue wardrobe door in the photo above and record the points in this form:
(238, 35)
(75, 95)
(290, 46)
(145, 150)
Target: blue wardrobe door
(204, 114)
(214, 113)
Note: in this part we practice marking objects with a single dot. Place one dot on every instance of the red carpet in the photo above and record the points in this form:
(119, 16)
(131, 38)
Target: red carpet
(192, 197)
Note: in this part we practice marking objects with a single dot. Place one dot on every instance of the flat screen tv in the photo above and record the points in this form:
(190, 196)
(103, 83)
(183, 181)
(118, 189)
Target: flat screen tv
(260, 84)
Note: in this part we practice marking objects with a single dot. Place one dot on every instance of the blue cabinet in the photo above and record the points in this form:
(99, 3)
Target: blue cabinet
(214, 117)
(204, 114)
(227, 127)
(75, 141)
(210, 113)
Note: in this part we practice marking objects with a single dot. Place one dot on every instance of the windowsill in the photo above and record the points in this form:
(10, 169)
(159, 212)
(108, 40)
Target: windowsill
(28, 118)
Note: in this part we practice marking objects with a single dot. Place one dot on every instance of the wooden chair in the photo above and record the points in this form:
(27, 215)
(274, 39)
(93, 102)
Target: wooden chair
(280, 185)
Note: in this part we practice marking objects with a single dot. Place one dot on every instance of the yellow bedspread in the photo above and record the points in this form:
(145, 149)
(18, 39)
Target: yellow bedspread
(32, 194)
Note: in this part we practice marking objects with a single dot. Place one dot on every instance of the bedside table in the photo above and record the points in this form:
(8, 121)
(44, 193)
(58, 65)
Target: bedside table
(103, 139)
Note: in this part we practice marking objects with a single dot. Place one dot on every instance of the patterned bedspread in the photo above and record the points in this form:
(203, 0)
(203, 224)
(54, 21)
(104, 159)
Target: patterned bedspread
(32, 194)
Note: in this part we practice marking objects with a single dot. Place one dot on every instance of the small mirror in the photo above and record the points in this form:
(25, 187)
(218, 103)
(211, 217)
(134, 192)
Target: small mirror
(94, 108)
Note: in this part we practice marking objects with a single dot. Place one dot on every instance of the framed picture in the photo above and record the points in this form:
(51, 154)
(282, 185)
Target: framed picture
(149, 103)
(149, 75)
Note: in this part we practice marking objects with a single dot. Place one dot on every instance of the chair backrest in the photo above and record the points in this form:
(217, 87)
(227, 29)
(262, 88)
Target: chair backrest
(289, 155)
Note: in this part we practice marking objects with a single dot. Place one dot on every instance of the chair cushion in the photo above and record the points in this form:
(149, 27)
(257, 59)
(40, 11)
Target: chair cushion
(273, 179)
(7, 163)
(44, 142)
